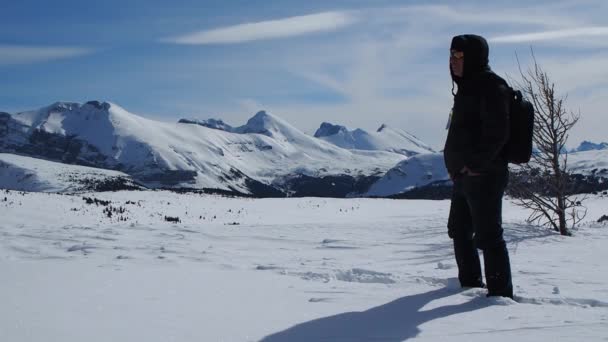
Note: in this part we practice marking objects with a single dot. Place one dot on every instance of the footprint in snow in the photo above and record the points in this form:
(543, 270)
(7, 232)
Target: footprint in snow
(359, 275)
(267, 267)
(83, 248)
(442, 266)
(576, 302)
(319, 300)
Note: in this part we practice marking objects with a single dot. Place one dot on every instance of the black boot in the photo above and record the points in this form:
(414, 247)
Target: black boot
(469, 265)
(498, 271)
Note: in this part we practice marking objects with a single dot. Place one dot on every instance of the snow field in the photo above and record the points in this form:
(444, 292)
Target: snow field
(306, 269)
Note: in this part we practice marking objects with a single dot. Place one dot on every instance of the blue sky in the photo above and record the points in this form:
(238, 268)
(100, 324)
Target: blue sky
(356, 63)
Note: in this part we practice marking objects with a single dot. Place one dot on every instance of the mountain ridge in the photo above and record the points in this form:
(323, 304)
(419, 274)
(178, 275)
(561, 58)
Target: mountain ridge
(384, 138)
(262, 153)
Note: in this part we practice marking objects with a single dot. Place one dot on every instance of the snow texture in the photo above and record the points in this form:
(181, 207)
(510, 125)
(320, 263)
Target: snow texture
(112, 267)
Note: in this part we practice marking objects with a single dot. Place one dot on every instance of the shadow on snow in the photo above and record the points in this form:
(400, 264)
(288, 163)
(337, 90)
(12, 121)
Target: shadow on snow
(395, 321)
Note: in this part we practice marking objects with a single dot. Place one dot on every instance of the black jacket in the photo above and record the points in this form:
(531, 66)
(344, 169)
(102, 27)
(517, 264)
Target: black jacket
(479, 124)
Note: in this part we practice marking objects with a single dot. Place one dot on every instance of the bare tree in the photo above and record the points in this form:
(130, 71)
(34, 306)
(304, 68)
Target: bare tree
(545, 185)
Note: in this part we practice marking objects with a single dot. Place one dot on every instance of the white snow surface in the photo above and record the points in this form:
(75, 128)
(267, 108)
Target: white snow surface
(265, 149)
(305, 269)
(589, 162)
(416, 171)
(32, 174)
(384, 139)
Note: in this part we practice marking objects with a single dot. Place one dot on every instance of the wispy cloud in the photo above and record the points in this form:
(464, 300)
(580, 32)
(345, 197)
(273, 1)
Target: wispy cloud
(18, 54)
(552, 35)
(390, 70)
(271, 29)
(471, 15)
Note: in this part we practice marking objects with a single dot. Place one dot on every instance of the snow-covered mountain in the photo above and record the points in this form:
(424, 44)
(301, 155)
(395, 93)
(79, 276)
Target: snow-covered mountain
(590, 146)
(414, 172)
(256, 157)
(589, 167)
(31, 174)
(265, 157)
(260, 123)
(594, 162)
(384, 139)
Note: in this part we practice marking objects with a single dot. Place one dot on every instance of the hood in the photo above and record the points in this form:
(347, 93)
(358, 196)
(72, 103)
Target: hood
(476, 52)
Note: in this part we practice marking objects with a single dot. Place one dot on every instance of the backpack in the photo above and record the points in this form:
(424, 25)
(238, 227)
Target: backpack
(518, 149)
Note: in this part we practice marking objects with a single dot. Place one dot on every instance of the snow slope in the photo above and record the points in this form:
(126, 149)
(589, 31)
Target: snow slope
(384, 139)
(424, 169)
(416, 171)
(305, 269)
(594, 162)
(160, 154)
(31, 174)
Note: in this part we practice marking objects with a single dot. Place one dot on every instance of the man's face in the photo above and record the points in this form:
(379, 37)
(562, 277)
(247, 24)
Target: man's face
(457, 62)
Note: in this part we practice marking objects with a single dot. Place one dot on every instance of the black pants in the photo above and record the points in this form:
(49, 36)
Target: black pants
(476, 222)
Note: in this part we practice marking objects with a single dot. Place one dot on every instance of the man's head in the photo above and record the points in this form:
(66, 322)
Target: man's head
(468, 55)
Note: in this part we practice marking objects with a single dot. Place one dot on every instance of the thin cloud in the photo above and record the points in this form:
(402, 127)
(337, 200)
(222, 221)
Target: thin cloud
(271, 29)
(18, 54)
(552, 35)
(457, 14)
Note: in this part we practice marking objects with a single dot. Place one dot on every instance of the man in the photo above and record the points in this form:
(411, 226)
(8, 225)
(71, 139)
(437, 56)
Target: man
(474, 157)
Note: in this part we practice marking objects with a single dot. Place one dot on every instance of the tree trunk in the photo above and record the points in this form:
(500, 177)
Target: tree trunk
(561, 213)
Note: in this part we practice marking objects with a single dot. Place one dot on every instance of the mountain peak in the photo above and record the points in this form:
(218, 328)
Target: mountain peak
(262, 123)
(98, 105)
(261, 114)
(384, 139)
(590, 146)
(60, 107)
(259, 119)
(327, 129)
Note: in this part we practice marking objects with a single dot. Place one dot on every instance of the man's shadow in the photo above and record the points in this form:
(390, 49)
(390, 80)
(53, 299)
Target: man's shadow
(394, 321)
